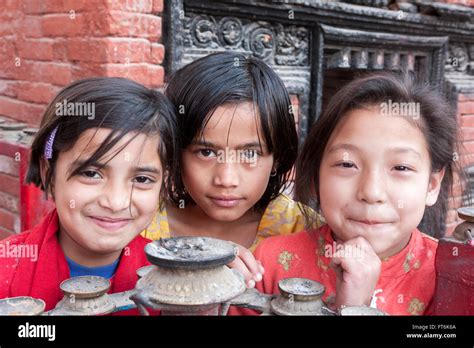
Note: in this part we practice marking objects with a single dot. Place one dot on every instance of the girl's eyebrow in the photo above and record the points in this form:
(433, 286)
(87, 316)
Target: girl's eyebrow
(203, 143)
(141, 169)
(214, 146)
(406, 149)
(396, 149)
(343, 147)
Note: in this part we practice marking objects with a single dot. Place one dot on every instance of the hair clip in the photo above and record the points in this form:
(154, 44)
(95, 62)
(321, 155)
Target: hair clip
(48, 147)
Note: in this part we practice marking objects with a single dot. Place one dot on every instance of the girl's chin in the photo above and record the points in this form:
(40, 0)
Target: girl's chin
(109, 245)
(225, 218)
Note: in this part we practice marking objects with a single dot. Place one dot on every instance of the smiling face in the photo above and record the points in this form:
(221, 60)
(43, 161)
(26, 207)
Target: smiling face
(226, 170)
(97, 211)
(375, 179)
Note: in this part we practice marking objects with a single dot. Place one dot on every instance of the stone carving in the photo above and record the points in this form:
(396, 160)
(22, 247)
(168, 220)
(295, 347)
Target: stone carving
(276, 44)
(260, 41)
(458, 58)
(230, 31)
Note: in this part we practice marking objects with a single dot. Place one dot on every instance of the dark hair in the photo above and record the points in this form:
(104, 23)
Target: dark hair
(437, 122)
(121, 105)
(201, 87)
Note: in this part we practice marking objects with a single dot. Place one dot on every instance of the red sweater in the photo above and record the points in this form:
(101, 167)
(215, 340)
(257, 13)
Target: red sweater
(42, 266)
(405, 287)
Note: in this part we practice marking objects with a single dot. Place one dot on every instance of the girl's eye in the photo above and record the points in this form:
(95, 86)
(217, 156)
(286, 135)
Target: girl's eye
(402, 168)
(206, 153)
(143, 180)
(250, 154)
(91, 174)
(346, 165)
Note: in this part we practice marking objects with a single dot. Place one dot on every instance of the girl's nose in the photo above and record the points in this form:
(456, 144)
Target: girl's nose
(115, 197)
(226, 175)
(372, 187)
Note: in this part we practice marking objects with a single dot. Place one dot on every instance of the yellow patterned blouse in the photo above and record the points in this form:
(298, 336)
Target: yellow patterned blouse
(282, 216)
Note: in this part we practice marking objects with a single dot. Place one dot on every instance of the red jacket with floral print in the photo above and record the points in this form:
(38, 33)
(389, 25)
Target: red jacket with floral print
(405, 287)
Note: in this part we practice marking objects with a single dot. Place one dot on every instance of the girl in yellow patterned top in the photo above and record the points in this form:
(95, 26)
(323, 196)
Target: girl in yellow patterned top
(239, 145)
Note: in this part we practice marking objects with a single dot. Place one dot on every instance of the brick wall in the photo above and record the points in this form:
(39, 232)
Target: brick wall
(45, 45)
(459, 2)
(465, 117)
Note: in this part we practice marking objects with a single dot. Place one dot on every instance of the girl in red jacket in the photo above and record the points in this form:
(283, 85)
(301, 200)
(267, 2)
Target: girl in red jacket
(373, 163)
(104, 150)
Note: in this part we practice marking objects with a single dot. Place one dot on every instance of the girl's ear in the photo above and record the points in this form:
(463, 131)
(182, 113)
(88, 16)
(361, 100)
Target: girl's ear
(434, 186)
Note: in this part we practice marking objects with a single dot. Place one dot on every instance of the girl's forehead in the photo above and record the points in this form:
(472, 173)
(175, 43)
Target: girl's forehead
(132, 145)
(233, 123)
(374, 131)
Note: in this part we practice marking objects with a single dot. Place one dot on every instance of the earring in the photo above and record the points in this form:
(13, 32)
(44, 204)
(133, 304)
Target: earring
(273, 173)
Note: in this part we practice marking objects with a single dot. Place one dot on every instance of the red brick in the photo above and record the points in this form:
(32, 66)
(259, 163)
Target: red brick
(157, 76)
(32, 114)
(86, 50)
(63, 25)
(468, 147)
(31, 27)
(465, 97)
(8, 59)
(129, 51)
(10, 18)
(9, 166)
(147, 74)
(87, 69)
(467, 120)
(58, 6)
(157, 6)
(10, 184)
(142, 6)
(60, 50)
(42, 93)
(9, 148)
(96, 23)
(137, 72)
(9, 202)
(110, 50)
(49, 72)
(11, 5)
(157, 53)
(9, 221)
(5, 233)
(466, 160)
(10, 107)
(82, 5)
(128, 24)
(22, 111)
(9, 88)
(460, 2)
(44, 6)
(466, 107)
(36, 49)
(467, 133)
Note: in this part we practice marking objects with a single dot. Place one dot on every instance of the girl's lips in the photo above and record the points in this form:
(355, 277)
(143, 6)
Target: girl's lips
(225, 202)
(109, 224)
(370, 222)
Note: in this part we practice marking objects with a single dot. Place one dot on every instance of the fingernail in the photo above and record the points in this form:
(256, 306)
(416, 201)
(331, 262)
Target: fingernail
(251, 284)
(262, 270)
(258, 277)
